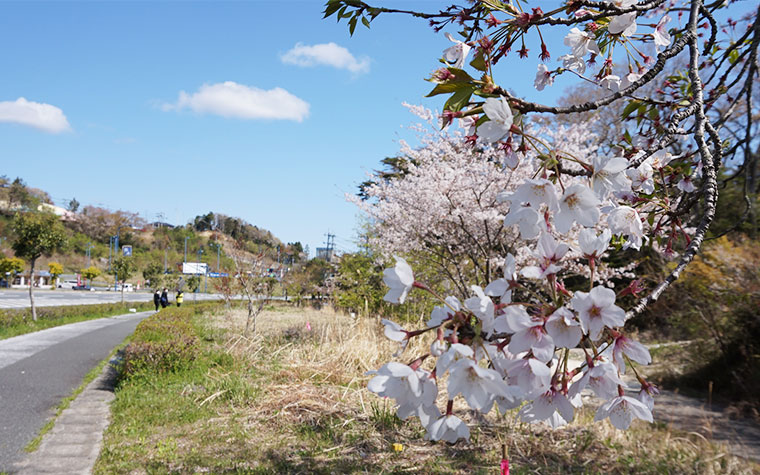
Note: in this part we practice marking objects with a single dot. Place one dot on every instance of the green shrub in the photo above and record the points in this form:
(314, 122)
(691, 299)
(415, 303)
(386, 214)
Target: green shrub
(168, 341)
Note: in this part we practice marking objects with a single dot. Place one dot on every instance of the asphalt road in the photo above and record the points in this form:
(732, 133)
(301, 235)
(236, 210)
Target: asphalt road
(19, 298)
(39, 369)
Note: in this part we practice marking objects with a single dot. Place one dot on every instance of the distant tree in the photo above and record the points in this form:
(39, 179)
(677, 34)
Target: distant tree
(153, 273)
(11, 266)
(37, 234)
(124, 267)
(73, 205)
(18, 194)
(90, 273)
(55, 270)
(193, 283)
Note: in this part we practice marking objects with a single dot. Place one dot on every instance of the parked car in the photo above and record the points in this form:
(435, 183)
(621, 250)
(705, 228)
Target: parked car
(68, 284)
(83, 287)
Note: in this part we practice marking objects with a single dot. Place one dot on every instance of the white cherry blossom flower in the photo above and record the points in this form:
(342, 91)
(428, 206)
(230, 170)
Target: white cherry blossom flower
(622, 410)
(661, 35)
(441, 313)
(449, 428)
(457, 54)
(467, 124)
(593, 246)
(394, 332)
(483, 308)
(642, 178)
(552, 407)
(609, 175)
(659, 159)
(624, 24)
(573, 63)
(564, 329)
(502, 287)
(686, 185)
(400, 280)
(602, 378)
(531, 335)
(622, 3)
(630, 348)
(456, 352)
(581, 42)
(611, 82)
(629, 79)
(646, 395)
(479, 386)
(499, 120)
(543, 78)
(578, 204)
(527, 220)
(530, 375)
(425, 403)
(534, 191)
(626, 221)
(397, 381)
(548, 252)
(597, 309)
(437, 348)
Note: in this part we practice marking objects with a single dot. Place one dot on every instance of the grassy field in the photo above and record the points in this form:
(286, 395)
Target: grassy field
(293, 400)
(14, 322)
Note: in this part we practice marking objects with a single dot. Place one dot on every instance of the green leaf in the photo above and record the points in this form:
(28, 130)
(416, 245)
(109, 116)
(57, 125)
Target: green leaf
(733, 56)
(365, 21)
(654, 114)
(479, 62)
(459, 99)
(352, 26)
(332, 7)
(632, 106)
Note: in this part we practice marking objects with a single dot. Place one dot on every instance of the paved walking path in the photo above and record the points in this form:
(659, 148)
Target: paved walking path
(39, 369)
(73, 445)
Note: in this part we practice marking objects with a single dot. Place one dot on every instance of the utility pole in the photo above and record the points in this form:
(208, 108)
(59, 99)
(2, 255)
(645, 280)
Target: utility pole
(186, 238)
(88, 253)
(115, 250)
(218, 252)
(200, 252)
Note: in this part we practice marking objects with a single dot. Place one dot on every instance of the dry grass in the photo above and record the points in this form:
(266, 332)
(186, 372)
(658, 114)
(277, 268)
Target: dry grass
(306, 410)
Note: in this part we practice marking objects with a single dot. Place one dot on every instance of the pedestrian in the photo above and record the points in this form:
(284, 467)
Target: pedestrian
(164, 298)
(179, 298)
(156, 299)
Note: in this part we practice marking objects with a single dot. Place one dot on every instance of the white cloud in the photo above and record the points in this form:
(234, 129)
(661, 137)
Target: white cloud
(232, 100)
(329, 54)
(34, 114)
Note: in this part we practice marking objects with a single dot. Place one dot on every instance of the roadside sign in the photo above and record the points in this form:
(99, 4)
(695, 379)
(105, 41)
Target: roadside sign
(218, 274)
(126, 251)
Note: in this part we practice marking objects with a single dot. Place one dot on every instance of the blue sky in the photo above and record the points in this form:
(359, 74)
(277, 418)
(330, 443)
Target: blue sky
(116, 71)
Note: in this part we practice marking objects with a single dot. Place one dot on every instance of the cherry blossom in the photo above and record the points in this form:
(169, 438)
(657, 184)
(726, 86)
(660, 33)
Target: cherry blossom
(441, 313)
(581, 43)
(478, 386)
(500, 120)
(552, 406)
(626, 220)
(622, 410)
(543, 78)
(532, 376)
(573, 63)
(593, 246)
(661, 35)
(449, 428)
(623, 25)
(531, 335)
(564, 329)
(609, 175)
(602, 378)
(502, 287)
(578, 204)
(634, 350)
(642, 178)
(611, 82)
(597, 309)
(397, 381)
(527, 219)
(535, 192)
(400, 280)
(457, 54)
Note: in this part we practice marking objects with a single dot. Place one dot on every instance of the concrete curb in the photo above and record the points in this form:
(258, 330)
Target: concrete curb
(74, 442)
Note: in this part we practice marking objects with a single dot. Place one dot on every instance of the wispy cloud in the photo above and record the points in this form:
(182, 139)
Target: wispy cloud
(328, 54)
(238, 101)
(41, 116)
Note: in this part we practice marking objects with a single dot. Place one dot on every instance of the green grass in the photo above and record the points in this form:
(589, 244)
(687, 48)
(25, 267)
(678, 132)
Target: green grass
(16, 322)
(270, 405)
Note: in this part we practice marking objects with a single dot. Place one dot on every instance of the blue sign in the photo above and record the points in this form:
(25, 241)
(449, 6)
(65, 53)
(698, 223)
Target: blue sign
(218, 274)
(126, 251)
